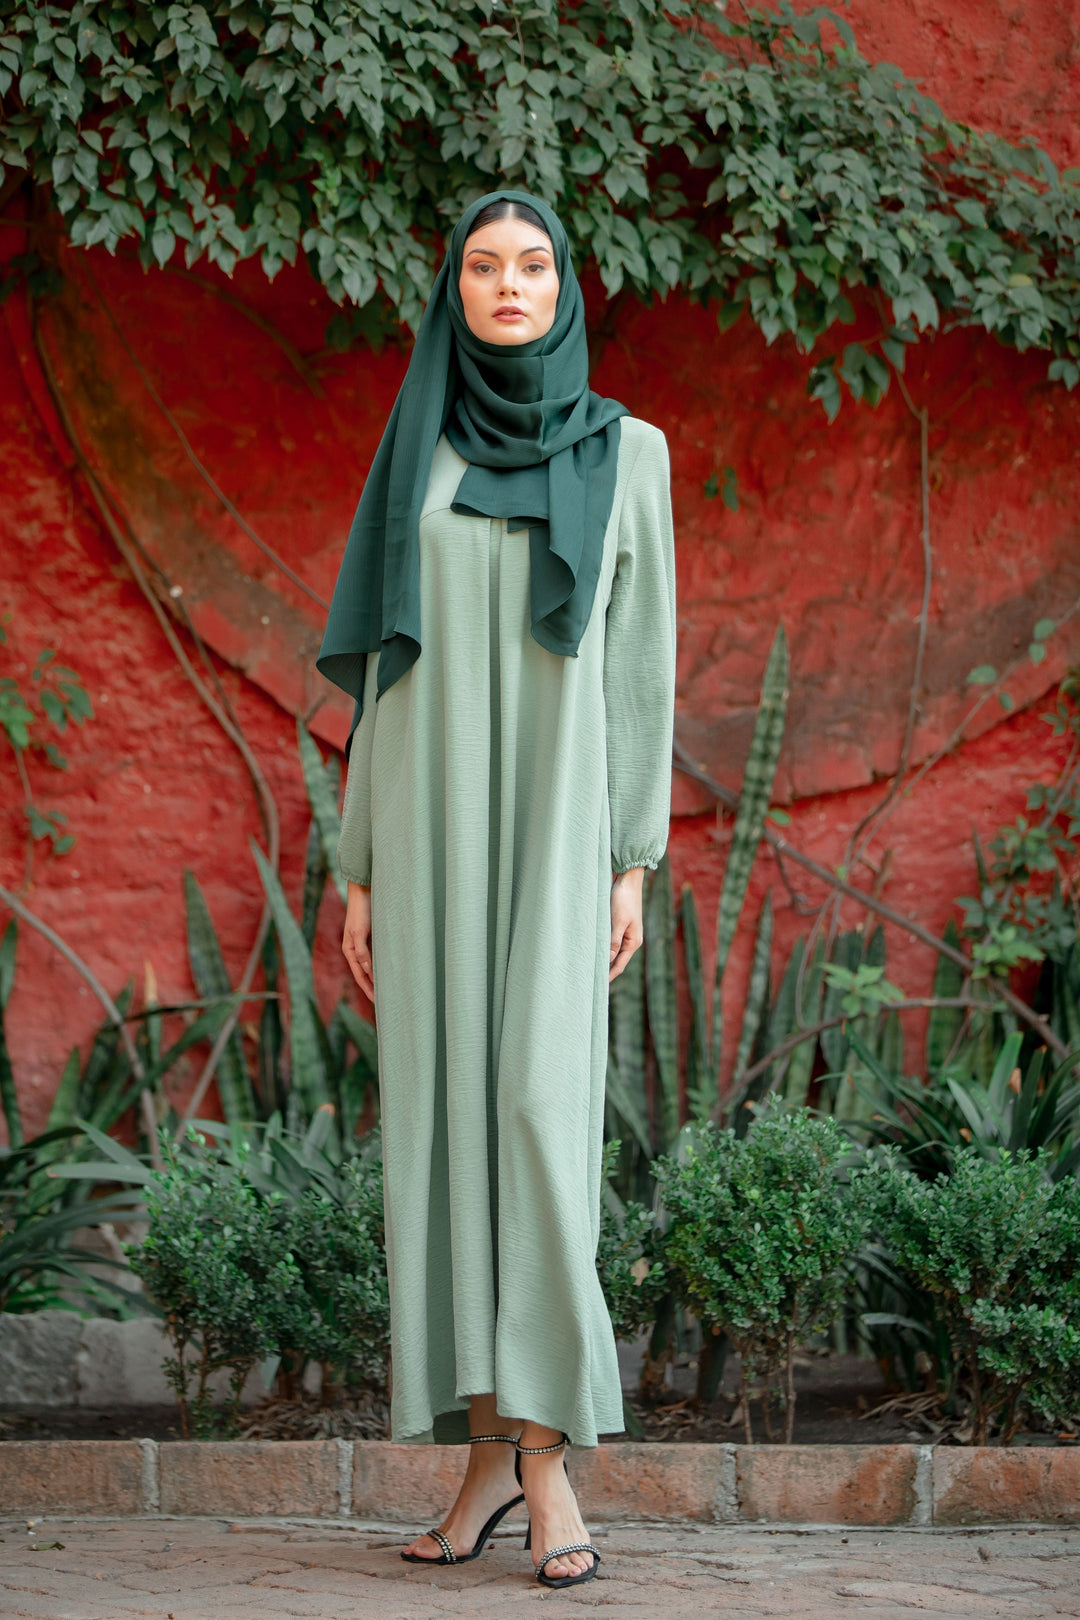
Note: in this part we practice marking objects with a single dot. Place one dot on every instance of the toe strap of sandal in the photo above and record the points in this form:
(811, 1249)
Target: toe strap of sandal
(451, 1555)
(571, 1546)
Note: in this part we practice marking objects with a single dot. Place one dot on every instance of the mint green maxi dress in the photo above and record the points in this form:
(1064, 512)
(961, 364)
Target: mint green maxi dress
(492, 790)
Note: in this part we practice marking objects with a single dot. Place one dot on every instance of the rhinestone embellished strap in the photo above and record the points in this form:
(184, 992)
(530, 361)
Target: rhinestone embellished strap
(536, 1451)
(451, 1555)
(572, 1546)
(473, 1438)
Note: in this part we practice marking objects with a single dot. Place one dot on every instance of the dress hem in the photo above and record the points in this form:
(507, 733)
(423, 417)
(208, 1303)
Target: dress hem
(457, 1432)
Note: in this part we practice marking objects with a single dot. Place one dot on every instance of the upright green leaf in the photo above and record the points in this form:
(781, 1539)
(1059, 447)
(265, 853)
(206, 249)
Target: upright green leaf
(8, 944)
(869, 1023)
(211, 978)
(337, 1038)
(354, 1087)
(271, 1082)
(8, 1097)
(700, 1087)
(944, 1023)
(308, 1072)
(806, 1010)
(363, 1035)
(757, 992)
(754, 798)
(107, 1097)
(1006, 1064)
(626, 1105)
(66, 1101)
(150, 1025)
(846, 953)
(663, 1011)
(322, 790)
(315, 874)
(628, 1028)
(1065, 996)
(99, 1070)
(892, 1044)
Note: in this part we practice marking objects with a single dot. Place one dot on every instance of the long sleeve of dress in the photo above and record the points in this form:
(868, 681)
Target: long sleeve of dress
(354, 844)
(639, 664)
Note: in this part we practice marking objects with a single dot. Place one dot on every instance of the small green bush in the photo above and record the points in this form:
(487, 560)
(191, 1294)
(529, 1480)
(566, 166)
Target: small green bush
(264, 1253)
(995, 1243)
(214, 1262)
(341, 1316)
(632, 1275)
(760, 1236)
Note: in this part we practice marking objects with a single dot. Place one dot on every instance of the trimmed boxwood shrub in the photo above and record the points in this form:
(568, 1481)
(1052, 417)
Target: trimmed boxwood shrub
(761, 1230)
(995, 1245)
(269, 1253)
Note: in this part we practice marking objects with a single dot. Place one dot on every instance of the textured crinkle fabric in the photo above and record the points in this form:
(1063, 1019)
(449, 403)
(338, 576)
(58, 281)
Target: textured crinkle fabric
(491, 793)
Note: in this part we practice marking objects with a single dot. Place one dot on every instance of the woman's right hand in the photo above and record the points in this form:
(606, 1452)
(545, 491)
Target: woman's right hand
(356, 942)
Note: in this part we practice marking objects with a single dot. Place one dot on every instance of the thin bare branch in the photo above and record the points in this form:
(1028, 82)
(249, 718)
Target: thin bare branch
(811, 1032)
(129, 550)
(115, 1017)
(278, 561)
(685, 763)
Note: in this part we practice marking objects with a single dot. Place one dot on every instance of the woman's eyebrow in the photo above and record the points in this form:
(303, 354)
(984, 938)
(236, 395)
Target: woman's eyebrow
(491, 254)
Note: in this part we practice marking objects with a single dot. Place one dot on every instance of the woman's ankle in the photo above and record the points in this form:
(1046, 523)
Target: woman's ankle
(485, 1418)
(538, 1434)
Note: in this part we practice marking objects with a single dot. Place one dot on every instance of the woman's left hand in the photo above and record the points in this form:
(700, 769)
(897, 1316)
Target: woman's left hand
(626, 925)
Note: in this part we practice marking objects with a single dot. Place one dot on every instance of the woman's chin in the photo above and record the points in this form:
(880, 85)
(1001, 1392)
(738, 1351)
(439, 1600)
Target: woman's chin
(509, 332)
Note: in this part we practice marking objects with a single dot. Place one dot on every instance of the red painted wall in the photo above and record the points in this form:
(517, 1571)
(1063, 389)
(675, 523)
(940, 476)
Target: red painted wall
(826, 539)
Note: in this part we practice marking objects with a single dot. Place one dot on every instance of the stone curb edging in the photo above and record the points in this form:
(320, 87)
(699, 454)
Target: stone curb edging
(885, 1485)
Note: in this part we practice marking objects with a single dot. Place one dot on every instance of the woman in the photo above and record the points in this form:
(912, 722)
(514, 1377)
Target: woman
(507, 786)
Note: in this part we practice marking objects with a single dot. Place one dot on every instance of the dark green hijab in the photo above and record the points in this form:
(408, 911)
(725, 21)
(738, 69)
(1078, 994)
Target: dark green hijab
(542, 452)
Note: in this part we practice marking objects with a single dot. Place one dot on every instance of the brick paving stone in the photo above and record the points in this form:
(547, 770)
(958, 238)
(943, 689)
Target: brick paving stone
(827, 1484)
(669, 1483)
(977, 1484)
(80, 1476)
(240, 1476)
(214, 1569)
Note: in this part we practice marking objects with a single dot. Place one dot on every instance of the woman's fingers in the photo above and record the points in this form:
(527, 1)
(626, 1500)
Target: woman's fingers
(624, 942)
(356, 945)
(626, 926)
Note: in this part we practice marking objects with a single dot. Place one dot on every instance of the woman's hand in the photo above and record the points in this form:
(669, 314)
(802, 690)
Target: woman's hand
(626, 926)
(356, 942)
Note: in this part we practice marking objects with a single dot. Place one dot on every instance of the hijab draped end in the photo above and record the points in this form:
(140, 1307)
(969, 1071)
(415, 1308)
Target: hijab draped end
(554, 643)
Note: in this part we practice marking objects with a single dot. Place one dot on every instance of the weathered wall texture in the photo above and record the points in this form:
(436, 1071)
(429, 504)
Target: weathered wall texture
(826, 540)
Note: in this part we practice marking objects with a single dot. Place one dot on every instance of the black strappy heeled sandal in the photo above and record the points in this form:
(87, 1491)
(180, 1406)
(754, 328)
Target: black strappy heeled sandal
(449, 1556)
(571, 1546)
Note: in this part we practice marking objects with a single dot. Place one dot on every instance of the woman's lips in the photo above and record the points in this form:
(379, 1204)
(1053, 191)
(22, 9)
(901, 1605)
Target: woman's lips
(512, 314)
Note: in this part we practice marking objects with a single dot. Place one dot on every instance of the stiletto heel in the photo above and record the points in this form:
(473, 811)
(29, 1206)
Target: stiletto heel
(448, 1555)
(572, 1546)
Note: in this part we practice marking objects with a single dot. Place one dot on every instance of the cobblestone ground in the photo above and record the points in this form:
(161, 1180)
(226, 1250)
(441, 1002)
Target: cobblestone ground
(209, 1569)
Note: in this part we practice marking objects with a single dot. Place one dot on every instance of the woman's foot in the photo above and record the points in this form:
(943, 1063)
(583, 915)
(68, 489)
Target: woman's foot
(489, 1482)
(553, 1508)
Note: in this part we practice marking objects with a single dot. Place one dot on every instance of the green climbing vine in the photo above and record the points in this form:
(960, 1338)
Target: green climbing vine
(747, 158)
(53, 698)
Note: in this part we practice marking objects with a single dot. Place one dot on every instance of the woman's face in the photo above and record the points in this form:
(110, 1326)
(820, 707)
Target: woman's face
(508, 282)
